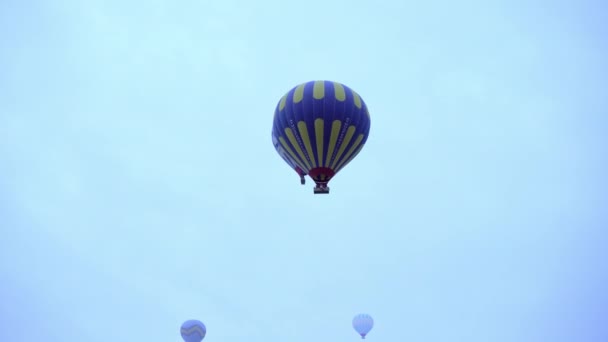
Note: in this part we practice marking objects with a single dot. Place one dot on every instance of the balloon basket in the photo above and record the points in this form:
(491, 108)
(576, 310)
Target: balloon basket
(321, 190)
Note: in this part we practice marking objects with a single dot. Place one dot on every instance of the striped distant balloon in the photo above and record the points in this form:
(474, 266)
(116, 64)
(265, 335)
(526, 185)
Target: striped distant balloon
(363, 323)
(318, 128)
(193, 331)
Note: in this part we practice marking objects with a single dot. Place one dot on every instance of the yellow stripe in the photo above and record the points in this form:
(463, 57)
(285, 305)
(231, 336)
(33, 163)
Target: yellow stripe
(347, 156)
(319, 90)
(339, 91)
(319, 130)
(349, 135)
(295, 159)
(282, 103)
(298, 94)
(335, 131)
(350, 159)
(304, 134)
(357, 99)
(294, 143)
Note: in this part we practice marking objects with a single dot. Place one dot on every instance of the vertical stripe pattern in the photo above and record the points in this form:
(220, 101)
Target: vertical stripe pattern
(320, 124)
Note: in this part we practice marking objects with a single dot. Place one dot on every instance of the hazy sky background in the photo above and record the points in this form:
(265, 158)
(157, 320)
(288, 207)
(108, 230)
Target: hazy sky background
(139, 186)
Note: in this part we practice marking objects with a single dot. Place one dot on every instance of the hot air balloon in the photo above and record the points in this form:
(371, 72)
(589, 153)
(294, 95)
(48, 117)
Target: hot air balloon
(363, 323)
(318, 128)
(193, 331)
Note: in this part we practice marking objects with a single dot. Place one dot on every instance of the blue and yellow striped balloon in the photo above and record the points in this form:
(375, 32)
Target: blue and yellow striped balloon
(318, 128)
(193, 331)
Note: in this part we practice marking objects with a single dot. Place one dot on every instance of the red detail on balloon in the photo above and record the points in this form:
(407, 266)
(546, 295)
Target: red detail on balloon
(317, 174)
(299, 171)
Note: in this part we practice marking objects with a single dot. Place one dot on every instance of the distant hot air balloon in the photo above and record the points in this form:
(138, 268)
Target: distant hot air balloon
(363, 323)
(318, 128)
(193, 331)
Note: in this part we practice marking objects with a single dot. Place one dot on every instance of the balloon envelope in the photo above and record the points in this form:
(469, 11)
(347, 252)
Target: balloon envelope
(363, 323)
(319, 127)
(193, 331)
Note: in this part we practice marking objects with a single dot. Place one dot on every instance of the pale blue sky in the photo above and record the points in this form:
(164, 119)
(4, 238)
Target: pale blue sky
(139, 186)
